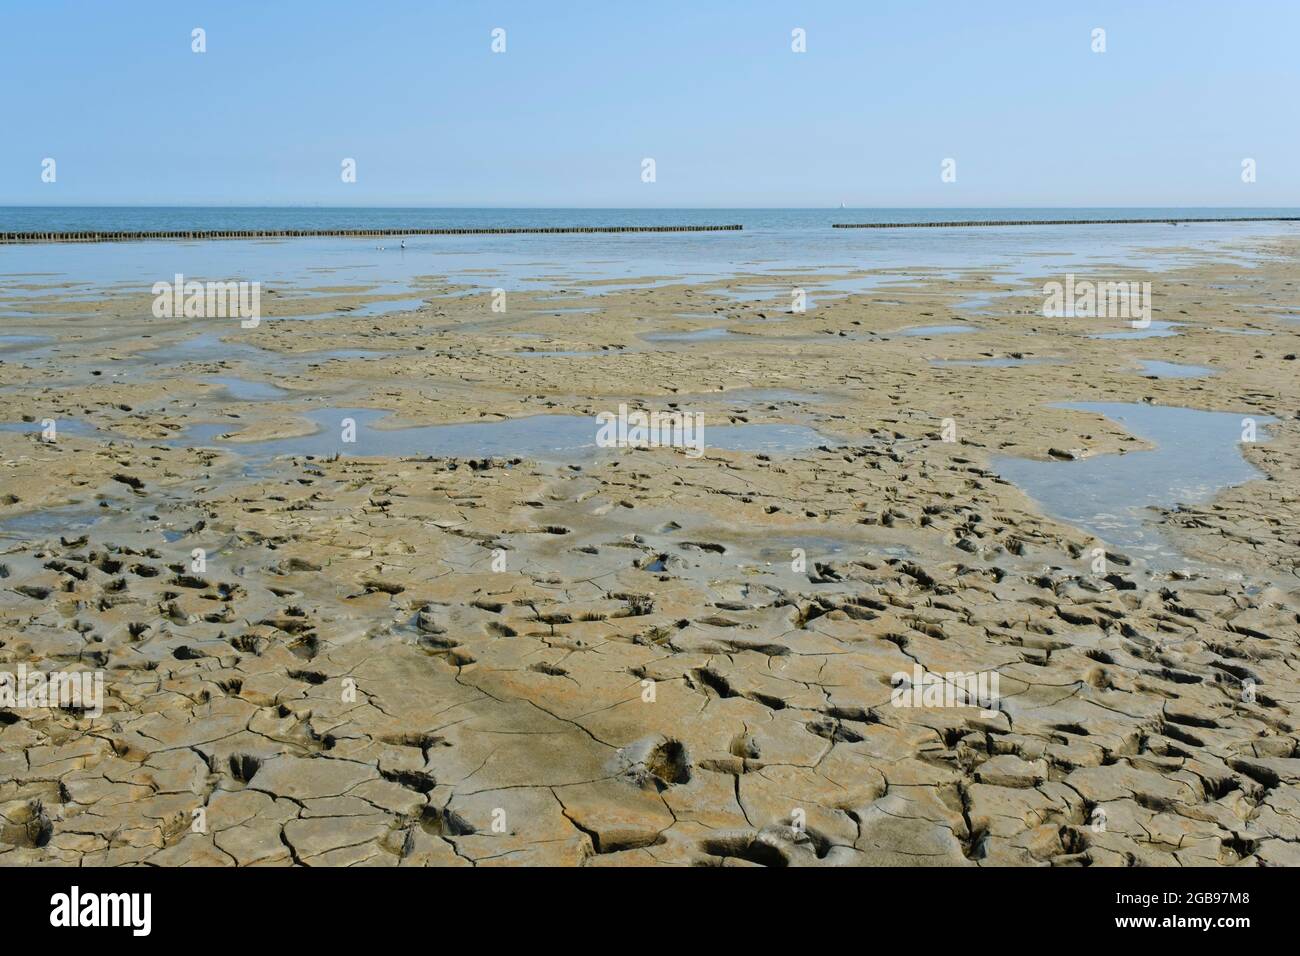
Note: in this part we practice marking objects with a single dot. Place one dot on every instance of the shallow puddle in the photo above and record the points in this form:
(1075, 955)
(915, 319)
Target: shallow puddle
(62, 426)
(819, 548)
(935, 330)
(14, 343)
(246, 390)
(207, 347)
(51, 522)
(985, 302)
(752, 294)
(326, 355)
(750, 396)
(558, 438)
(385, 307)
(1158, 369)
(565, 354)
(699, 335)
(991, 362)
(1156, 330)
(210, 347)
(1196, 455)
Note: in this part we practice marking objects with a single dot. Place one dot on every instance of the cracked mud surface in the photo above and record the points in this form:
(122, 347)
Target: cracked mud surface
(354, 677)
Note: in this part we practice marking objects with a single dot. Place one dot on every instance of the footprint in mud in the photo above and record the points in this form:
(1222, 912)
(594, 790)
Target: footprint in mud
(445, 822)
(658, 764)
(416, 780)
(26, 826)
(244, 767)
(424, 742)
(309, 677)
(706, 546)
(549, 669)
(776, 845)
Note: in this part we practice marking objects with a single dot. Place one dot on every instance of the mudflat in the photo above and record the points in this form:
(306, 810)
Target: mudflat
(497, 643)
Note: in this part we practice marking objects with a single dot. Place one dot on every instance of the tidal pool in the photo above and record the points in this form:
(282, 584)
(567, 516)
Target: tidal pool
(206, 347)
(699, 335)
(556, 438)
(210, 347)
(1156, 330)
(936, 330)
(983, 302)
(1196, 455)
(565, 353)
(991, 362)
(383, 307)
(247, 390)
(753, 293)
(1160, 369)
(51, 522)
(62, 426)
(749, 396)
(326, 355)
(14, 343)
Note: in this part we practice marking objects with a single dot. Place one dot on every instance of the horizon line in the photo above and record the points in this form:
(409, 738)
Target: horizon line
(459, 206)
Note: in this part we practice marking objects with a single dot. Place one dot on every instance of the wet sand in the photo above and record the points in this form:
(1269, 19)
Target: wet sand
(542, 653)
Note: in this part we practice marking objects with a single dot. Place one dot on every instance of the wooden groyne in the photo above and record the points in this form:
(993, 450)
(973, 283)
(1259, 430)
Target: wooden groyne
(963, 223)
(119, 236)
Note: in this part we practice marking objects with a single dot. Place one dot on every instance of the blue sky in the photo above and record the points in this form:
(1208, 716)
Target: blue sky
(711, 90)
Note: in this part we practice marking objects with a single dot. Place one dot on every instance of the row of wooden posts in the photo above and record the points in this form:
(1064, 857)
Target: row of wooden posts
(119, 236)
(123, 236)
